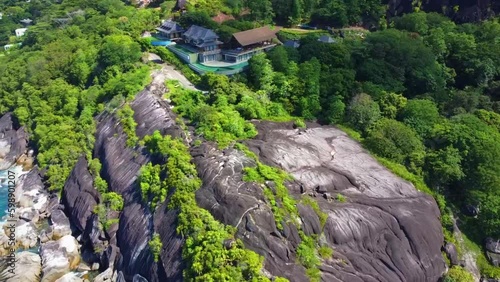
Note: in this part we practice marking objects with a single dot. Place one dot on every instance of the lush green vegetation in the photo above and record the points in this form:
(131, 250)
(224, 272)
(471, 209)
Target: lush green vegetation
(220, 115)
(308, 257)
(56, 82)
(273, 180)
(111, 201)
(155, 245)
(422, 93)
(325, 252)
(204, 252)
(315, 206)
(422, 96)
(126, 116)
(458, 274)
(153, 190)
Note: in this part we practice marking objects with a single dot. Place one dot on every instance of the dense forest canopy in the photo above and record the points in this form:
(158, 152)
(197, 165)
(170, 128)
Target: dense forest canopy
(422, 91)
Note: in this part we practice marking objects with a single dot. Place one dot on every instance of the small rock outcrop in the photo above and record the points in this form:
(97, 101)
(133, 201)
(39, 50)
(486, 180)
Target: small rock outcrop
(59, 258)
(13, 141)
(493, 251)
(59, 224)
(32, 206)
(452, 254)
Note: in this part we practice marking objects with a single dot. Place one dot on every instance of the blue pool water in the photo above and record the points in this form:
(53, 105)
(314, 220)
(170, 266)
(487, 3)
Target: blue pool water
(161, 43)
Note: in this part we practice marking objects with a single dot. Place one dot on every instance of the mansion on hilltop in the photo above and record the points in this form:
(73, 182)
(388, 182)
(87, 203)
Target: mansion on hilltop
(204, 52)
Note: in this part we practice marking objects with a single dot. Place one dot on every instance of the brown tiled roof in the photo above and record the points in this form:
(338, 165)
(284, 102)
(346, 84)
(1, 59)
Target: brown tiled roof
(256, 35)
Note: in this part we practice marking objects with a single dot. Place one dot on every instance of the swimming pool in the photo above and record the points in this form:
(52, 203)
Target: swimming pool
(161, 43)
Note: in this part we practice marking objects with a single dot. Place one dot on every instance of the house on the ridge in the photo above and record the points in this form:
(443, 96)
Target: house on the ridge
(201, 49)
(292, 43)
(246, 44)
(170, 30)
(326, 39)
(20, 32)
(203, 41)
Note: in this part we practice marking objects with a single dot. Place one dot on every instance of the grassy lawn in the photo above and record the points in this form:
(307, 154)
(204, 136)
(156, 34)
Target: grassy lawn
(300, 31)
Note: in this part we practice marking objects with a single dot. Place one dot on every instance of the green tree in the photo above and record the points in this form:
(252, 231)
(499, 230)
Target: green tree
(391, 104)
(394, 140)
(279, 59)
(119, 50)
(335, 110)
(444, 166)
(413, 22)
(155, 245)
(400, 63)
(309, 103)
(261, 10)
(260, 73)
(153, 191)
(363, 112)
(421, 115)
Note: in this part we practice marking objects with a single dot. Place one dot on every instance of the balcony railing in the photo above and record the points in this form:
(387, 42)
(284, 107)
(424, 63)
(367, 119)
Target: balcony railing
(236, 52)
(211, 52)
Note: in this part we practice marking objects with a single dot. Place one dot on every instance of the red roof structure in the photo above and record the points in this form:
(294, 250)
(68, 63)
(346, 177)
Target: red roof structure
(253, 36)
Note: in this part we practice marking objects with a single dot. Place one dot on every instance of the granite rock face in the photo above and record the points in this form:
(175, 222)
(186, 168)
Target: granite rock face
(385, 231)
(79, 196)
(13, 141)
(121, 167)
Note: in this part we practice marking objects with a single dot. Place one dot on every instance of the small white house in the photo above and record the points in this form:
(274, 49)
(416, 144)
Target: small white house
(1, 15)
(8, 46)
(21, 31)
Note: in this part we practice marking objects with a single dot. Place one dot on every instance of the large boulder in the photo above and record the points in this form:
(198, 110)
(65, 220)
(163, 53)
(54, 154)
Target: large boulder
(13, 141)
(26, 234)
(493, 251)
(452, 253)
(70, 277)
(30, 192)
(59, 258)
(59, 224)
(27, 268)
(79, 196)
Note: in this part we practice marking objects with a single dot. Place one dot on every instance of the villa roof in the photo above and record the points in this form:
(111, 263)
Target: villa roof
(292, 43)
(326, 39)
(200, 33)
(256, 35)
(170, 26)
